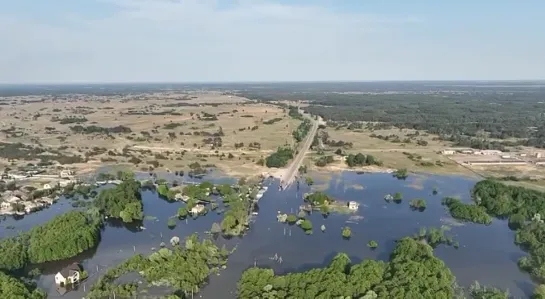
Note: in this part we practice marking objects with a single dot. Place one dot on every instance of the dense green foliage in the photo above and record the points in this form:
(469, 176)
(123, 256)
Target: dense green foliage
(413, 272)
(361, 160)
(457, 115)
(346, 232)
(516, 221)
(504, 200)
(13, 288)
(13, 253)
(324, 160)
(182, 212)
(306, 225)
(477, 291)
(293, 112)
(539, 292)
(434, 237)
(524, 208)
(401, 174)
(100, 130)
(164, 191)
(198, 192)
(184, 269)
(418, 204)
(122, 201)
(235, 220)
(467, 212)
(372, 244)
(62, 237)
(279, 158)
(318, 198)
(302, 130)
(291, 219)
(532, 238)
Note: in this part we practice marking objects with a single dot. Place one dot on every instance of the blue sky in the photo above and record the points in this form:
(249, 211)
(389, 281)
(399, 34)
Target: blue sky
(63, 41)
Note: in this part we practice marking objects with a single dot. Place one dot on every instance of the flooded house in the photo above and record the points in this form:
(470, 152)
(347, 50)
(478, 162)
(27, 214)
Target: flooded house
(352, 205)
(198, 209)
(67, 277)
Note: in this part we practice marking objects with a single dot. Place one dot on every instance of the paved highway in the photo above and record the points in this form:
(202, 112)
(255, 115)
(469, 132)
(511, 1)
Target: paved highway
(289, 175)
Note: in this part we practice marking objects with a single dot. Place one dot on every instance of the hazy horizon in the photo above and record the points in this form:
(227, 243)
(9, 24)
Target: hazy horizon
(529, 81)
(231, 41)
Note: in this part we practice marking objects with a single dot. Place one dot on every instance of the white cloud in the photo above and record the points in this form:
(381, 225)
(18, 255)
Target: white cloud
(197, 40)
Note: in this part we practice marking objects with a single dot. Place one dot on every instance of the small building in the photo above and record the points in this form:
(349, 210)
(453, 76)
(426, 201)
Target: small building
(467, 152)
(68, 275)
(523, 155)
(505, 156)
(490, 152)
(5, 205)
(46, 187)
(66, 173)
(352, 205)
(447, 152)
(538, 155)
(198, 209)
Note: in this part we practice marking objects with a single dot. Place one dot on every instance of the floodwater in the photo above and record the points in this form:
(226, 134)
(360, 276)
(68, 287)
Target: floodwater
(486, 253)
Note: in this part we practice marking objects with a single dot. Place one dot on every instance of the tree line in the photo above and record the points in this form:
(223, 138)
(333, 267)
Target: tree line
(462, 116)
(412, 272)
(524, 209)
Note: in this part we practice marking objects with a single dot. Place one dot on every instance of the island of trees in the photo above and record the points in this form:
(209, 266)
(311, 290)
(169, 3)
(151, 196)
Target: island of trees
(418, 204)
(466, 212)
(184, 268)
(122, 201)
(62, 237)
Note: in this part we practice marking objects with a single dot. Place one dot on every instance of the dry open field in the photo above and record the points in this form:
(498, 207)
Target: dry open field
(394, 155)
(419, 158)
(170, 130)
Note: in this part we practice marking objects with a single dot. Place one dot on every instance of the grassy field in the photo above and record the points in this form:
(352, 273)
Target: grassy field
(414, 157)
(167, 130)
(393, 155)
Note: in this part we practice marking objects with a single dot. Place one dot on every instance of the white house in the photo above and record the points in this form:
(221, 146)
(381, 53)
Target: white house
(196, 210)
(46, 186)
(5, 205)
(68, 275)
(489, 152)
(447, 152)
(352, 205)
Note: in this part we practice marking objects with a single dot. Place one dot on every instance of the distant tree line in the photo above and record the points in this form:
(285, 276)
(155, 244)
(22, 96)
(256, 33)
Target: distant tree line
(100, 130)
